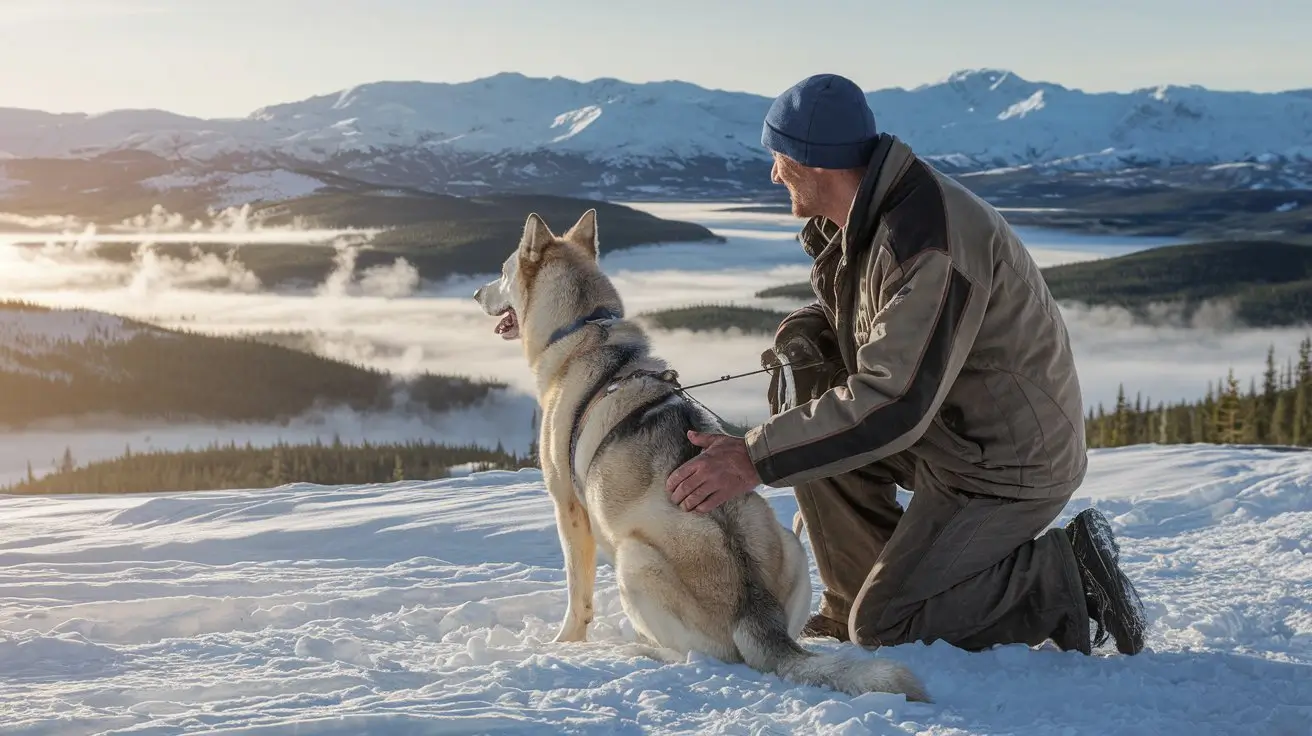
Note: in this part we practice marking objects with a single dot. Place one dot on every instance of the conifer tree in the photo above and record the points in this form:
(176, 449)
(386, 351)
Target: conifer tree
(1280, 421)
(1227, 415)
(1121, 427)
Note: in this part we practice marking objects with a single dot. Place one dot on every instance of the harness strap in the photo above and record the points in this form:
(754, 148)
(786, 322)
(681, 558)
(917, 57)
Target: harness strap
(581, 457)
(616, 357)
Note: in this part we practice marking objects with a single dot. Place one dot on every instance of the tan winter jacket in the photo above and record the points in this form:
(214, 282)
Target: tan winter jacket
(953, 347)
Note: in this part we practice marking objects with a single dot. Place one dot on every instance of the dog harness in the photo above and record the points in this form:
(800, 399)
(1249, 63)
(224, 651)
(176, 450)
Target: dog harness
(581, 455)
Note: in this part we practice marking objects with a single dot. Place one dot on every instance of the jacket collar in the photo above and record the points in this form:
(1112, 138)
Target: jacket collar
(887, 163)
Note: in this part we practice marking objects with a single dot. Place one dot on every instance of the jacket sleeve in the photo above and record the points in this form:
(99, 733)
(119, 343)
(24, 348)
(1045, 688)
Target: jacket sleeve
(917, 345)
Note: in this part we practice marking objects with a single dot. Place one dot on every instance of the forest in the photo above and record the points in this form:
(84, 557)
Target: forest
(1274, 412)
(230, 466)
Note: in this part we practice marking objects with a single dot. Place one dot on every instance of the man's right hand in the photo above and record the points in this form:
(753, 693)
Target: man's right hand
(803, 338)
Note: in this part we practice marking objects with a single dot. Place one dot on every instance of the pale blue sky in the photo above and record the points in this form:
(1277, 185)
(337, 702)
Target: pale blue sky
(228, 57)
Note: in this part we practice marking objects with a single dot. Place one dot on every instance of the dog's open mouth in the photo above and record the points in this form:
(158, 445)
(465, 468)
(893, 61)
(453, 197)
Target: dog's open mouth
(508, 327)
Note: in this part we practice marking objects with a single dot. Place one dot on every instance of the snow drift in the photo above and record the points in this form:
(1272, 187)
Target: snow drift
(429, 608)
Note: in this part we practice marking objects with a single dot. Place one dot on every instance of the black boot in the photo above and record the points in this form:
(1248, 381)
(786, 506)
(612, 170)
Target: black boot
(1113, 603)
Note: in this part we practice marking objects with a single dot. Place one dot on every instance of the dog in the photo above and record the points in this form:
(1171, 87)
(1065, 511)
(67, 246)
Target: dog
(732, 583)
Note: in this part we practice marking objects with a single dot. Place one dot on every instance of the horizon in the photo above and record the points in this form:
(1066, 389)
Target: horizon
(591, 80)
(225, 60)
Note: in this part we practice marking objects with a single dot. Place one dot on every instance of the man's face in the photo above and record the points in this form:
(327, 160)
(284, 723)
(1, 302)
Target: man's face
(802, 183)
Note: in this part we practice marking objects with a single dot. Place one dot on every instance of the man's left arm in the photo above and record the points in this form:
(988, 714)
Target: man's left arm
(917, 345)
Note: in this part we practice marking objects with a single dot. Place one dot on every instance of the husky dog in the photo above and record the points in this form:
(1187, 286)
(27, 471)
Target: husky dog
(732, 583)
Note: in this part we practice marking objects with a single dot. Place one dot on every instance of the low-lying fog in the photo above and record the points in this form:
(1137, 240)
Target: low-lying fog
(388, 318)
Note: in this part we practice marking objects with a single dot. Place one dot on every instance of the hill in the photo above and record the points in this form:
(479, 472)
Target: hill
(1152, 209)
(710, 317)
(608, 138)
(439, 235)
(428, 607)
(72, 363)
(1267, 283)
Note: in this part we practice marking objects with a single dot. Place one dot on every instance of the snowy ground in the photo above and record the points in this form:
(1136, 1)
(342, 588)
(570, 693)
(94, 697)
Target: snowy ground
(428, 608)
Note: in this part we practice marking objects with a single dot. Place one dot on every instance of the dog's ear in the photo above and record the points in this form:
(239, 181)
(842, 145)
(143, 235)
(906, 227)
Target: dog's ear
(584, 233)
(536, 237)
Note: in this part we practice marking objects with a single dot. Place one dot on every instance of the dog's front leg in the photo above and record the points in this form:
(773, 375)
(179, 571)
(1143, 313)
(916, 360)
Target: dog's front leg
(580, 549)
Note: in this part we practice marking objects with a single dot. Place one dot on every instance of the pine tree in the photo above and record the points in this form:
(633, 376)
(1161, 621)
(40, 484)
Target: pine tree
(1270, 385)
(277, 474)
(398, 472)
(1121, 418)
(1248, 423)
(1298, 435)
(1280, 421)
(1228, 421)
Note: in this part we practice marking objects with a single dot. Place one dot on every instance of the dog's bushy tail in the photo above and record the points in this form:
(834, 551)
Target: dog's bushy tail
(761, 635)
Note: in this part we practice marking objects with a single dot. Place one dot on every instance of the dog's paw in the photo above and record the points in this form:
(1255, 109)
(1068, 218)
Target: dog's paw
(571, 634)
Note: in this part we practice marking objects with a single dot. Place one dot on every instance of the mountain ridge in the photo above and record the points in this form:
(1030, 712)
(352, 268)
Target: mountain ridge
(512, 131)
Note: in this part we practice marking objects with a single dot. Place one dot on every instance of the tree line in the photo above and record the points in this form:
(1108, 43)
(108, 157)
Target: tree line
(227, 466)
(1278, 411)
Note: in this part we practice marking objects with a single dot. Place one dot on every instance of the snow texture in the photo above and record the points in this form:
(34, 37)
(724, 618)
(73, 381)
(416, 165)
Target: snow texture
(428, 607)
(240, 188)
(26, 335)
(35, 331)
(973, 119)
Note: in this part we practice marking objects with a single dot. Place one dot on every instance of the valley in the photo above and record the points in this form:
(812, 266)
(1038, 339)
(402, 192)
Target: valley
(314, 275)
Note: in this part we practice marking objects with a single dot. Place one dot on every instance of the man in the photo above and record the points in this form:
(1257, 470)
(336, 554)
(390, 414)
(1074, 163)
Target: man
(949, 373)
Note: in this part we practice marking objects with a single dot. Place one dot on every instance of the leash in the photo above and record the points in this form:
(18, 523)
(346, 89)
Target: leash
(722, 379)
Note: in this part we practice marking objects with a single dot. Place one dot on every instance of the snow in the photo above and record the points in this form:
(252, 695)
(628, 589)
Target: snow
(28, 334)
(428, 607)
(33, 331)
(980, 119)
(238, 188)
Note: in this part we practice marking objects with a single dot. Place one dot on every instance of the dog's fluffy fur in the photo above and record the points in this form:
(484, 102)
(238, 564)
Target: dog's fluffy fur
(732, 583)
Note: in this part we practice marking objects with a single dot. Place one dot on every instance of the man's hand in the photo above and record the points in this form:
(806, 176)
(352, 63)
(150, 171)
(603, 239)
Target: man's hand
(721, 472)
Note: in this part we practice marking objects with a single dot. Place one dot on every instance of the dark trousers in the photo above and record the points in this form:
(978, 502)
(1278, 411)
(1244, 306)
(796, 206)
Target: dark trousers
(964, 568)
(969, 569)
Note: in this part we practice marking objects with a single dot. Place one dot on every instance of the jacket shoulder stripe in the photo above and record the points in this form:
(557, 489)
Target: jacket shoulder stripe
(890, 420)
(916, 215)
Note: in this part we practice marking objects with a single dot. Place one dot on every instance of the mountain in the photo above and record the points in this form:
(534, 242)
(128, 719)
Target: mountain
(611, 138)
(64, 363)
(429, 607)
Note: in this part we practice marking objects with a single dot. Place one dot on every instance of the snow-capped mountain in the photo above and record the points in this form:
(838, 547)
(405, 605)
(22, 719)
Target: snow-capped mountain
(606, 135)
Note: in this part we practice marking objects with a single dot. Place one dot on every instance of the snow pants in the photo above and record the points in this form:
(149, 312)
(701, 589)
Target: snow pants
(963, 568)
(969, 569)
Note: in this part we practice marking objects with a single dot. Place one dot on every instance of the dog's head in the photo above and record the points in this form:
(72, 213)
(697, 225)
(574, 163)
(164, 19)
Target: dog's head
(547, 264)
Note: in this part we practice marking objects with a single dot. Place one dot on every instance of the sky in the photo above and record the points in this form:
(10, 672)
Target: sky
(221, 58)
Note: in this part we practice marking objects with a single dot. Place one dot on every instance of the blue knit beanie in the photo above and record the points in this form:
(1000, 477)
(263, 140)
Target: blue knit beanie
(822, 121)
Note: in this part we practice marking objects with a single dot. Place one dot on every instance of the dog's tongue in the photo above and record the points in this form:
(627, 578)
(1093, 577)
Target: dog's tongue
(507, 327)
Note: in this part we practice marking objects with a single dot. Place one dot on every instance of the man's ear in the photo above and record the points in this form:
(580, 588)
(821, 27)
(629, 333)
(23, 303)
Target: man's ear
(536, 237)
(584, 233)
